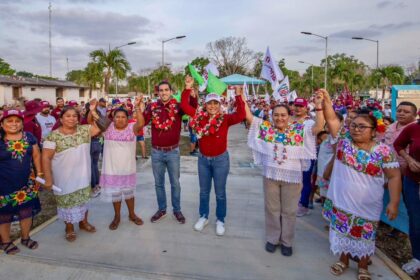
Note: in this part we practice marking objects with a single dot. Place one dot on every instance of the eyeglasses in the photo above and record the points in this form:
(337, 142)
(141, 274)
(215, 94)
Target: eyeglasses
(359, 127)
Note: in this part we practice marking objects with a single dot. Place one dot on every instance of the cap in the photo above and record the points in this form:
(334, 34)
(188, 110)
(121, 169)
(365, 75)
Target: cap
(12, 112)
(212, 96)
(72, 103)
(45, 104)
(301, 102)
(32, 108)
(102, 99)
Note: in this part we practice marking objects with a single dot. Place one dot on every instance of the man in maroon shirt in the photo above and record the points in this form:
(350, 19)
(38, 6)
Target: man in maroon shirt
(60, 105)
(165, 116)
(30, 124)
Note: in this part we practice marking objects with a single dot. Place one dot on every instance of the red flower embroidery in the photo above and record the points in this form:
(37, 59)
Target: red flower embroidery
(356, 231)
(372, 169)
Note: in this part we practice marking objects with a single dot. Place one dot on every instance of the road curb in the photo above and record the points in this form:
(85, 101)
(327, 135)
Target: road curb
(392, 265)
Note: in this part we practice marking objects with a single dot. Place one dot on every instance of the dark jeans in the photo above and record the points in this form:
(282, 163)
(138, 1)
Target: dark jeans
(307, 186)
(213, 169)
(160, 162)
(412, 202)
(95, 152)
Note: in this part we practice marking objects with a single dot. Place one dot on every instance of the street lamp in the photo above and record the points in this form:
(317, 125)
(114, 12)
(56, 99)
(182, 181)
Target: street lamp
(312, 73)
(163, 46)
(377, 56)
(116, 80)
(326, 53)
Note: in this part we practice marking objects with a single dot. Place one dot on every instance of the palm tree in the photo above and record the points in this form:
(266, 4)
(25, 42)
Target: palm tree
(92, 76)
(387, 76)
(112, 63)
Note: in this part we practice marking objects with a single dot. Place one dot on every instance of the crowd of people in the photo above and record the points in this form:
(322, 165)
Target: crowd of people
(347, 154)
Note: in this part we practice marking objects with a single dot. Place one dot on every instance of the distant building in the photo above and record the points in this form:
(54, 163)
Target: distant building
(14, 89)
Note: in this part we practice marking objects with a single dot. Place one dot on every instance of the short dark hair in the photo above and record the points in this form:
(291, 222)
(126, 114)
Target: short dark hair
(120, 109)
(408, 103)
(164, 83)
(282, 106)
(321, 133)
(339, 116)
(59, 98)
(391, 120)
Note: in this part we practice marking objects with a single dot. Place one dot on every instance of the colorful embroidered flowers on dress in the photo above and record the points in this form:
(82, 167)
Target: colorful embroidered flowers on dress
(172, 111)
(18, 148)
(25, 194)
(203, 125)
(348, 224)
(363, 161)
(292, 136)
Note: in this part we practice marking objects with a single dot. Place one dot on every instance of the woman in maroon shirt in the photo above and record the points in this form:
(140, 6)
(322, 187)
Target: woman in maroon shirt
(410, 137)
(211, 127)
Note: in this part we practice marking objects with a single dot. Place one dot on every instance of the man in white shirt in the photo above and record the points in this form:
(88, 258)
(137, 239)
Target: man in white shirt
(45, 119)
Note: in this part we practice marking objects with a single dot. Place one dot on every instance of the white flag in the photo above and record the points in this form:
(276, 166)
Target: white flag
(246, 93)
(292, 96)
(282, 91)
(253, 91)
(210, 68)
(267, 98)
(270, 70)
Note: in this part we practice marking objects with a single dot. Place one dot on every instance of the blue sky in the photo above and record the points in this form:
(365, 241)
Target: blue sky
(80, 26)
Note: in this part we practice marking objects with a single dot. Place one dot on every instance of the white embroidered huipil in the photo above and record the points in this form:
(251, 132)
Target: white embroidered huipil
(283, 156)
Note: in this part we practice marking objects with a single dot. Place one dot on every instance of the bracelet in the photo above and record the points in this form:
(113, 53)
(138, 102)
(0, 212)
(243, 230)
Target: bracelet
(39, 174)
(319, 109)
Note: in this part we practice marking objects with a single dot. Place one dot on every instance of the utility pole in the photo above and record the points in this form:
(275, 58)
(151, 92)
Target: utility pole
(67, 62)
(49, 44)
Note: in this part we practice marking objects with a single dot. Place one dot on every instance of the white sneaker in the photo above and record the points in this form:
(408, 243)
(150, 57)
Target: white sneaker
(201, 224)
(220, 228)
(412, 267)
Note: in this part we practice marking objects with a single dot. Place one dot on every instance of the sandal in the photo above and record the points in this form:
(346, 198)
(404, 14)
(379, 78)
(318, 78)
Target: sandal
(9, 248)
(114, 224)
(363, 274)
(87, 227)
(29, 243)
(71, 236)
(138, 221)
(338, 268)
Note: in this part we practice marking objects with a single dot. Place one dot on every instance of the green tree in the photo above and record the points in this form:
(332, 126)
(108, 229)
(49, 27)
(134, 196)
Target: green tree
(24, 74)
(92, 76)
(113, 64)
(5, 68)
(139, 83)
(200, 63)
(387, 76)
(76, 76)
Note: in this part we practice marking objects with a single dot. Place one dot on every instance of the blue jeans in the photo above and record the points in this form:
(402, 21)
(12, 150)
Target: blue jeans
(160, 162)
(95, 152)
(307, 186)
(412, 202)
(216, 169)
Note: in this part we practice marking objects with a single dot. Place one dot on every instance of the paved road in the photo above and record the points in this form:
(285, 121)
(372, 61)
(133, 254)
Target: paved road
(168, 250)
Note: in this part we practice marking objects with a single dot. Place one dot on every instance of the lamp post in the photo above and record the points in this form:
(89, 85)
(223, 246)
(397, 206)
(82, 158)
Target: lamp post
(377, 56)
(163, 46)
(312, 73)
(326, 53)
(116, 76)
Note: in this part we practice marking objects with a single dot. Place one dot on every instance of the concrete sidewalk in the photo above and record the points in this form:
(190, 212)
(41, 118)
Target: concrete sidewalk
(167, 250)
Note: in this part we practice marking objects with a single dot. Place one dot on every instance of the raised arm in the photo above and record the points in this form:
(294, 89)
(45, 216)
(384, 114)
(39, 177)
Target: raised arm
(333, 122)
(319, 118)
(98, 122)
(139, 109)
(187, 94)
(239, 114)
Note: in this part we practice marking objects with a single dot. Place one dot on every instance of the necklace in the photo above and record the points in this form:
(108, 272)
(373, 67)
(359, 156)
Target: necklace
(211, 126)
(172, 111)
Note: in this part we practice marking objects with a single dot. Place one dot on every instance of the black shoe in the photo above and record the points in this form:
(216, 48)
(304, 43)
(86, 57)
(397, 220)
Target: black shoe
(269, 247)
(286, 251)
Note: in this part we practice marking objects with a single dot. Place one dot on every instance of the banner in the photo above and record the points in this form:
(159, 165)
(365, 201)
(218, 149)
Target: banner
(210, 68)
(270, 70)
(215, 85)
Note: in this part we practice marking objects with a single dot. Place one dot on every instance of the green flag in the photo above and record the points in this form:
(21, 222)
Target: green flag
(177, 96)
(195, 75)
(215, 85)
